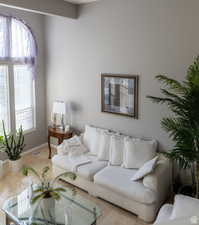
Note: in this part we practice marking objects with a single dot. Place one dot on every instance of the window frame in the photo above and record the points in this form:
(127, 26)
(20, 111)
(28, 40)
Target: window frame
(11, 86)
(9, 125)
(33, 103)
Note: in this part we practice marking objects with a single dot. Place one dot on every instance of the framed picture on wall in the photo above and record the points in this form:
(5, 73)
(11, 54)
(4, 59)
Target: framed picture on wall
(119, 94)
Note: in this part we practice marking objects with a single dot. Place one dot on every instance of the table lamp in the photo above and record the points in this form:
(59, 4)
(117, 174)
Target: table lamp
(59, 107)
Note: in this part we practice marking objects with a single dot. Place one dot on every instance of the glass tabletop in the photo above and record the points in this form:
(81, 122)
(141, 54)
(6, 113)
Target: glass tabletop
(71, 209)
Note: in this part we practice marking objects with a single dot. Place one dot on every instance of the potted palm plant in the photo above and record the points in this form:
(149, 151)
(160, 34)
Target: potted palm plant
(182, 98)
(46, 192)
(13, 145)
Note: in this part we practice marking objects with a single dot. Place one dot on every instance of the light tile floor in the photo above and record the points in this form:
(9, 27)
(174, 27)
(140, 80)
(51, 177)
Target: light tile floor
(13, 183)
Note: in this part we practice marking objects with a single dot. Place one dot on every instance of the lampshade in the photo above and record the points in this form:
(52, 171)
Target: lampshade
(59, 107)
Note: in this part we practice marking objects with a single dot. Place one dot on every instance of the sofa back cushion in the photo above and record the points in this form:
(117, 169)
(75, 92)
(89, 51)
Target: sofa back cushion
(116, 150)
(91, 139)
(137, 152)
(184, 206)
(104, 145)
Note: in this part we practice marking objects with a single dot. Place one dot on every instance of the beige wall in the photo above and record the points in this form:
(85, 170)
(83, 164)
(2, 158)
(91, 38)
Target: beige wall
(144, 37)
(36, 22)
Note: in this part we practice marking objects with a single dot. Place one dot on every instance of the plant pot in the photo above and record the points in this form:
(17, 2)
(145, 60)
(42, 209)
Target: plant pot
(187, 190)
(48, 208)
(68, 215)
(15, 165)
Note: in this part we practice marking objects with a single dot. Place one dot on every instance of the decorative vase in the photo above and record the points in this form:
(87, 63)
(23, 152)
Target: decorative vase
(48, 208)
(68, 215)
(15, 165)
(187, 190)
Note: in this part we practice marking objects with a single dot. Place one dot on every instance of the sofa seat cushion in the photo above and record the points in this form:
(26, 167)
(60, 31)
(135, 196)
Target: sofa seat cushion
(118, 179)
(62, 161)
(87, 171)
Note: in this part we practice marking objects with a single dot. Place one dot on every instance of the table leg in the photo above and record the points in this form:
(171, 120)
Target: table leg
(49, 147)
(60, 140)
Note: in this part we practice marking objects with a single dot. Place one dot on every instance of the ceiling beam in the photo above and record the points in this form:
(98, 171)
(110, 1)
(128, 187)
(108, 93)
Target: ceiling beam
(46, 7)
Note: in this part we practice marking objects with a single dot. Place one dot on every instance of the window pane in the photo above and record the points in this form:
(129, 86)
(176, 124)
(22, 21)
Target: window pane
(4, 98)
(21, 40)
(3, 37)
(24, 107)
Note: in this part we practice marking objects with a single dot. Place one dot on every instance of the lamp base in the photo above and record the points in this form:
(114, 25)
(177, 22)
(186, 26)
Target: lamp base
(67, 128)
(62, 123)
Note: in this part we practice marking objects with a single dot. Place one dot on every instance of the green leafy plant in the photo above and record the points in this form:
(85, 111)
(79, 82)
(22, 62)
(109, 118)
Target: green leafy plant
(12, 144)
(182, 98)
(46, 188)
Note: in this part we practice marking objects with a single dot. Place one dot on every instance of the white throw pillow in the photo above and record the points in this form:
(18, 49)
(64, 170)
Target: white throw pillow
(137, 152)
(146, 169)
(90, 139)
(116, 150)
(104, 146)
(75, 140)
(184, 206)
(65, 147)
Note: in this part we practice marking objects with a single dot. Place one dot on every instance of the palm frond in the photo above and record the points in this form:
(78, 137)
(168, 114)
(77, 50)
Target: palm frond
(45, 171)
(193, 74)
(159, 99)
(55, 195)
(59, 189)
(171, 83)
(71, 175)
(27, 169)
(37, 197)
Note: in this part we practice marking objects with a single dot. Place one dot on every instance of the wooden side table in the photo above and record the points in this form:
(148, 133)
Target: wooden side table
(59, 134)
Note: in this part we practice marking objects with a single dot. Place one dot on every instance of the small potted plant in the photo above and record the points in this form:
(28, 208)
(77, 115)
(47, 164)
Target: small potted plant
(46, 192)
(13, 145)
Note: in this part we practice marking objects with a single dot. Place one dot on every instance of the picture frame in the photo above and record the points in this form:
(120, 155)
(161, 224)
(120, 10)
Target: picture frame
(119, 94)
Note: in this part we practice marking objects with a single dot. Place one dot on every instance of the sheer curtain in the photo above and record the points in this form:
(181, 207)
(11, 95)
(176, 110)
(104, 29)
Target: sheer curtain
(18, 52)
(17, 42)
(4, 98)
(4, 38)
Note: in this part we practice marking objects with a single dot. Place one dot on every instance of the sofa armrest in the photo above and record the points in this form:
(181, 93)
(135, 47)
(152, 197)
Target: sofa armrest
(160, 180)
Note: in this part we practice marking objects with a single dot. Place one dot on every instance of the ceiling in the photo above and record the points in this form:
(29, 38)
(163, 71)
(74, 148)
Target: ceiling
(80, 1)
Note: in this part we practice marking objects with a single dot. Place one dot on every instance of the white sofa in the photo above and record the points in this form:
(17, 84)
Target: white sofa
(113, 183)
(184, 208)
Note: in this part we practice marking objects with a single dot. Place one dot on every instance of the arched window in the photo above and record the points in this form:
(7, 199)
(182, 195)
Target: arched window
(18, 52)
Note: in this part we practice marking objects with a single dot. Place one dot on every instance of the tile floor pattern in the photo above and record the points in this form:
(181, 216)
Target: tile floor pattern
(13, 183)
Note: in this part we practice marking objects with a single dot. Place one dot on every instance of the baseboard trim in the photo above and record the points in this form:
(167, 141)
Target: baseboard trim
(30, 150)
(34, 149)
(53, 146)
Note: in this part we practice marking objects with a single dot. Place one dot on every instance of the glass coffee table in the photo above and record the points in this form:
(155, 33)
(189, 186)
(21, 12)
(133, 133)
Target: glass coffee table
(71, 209)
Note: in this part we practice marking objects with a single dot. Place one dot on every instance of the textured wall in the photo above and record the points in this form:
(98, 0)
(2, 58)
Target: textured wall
(120, 36)
(36, 22)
